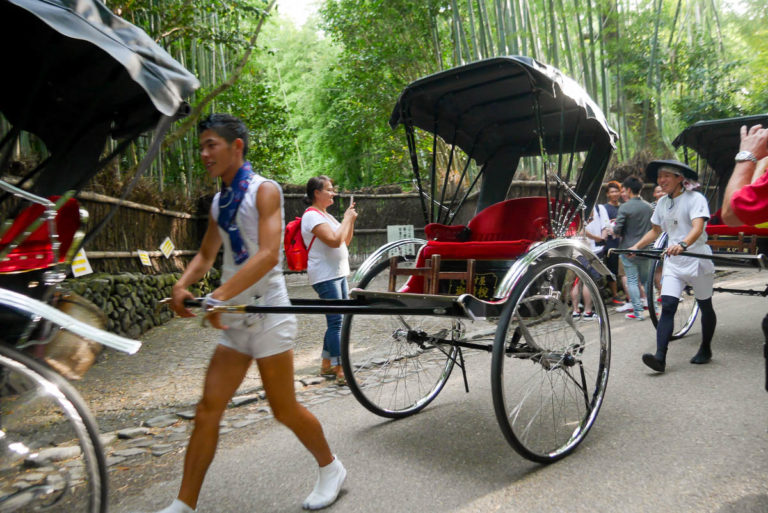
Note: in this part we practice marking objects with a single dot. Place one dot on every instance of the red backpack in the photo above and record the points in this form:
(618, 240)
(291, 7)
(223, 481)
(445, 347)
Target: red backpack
(296, 254)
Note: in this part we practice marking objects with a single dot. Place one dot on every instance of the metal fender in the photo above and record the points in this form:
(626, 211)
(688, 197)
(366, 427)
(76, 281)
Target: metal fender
(37, 308)
(380, 254)
(548, 249)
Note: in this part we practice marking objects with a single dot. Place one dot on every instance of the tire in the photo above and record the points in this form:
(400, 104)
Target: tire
(50, 442)
(687, 310)
(393, 367)
(549, 371)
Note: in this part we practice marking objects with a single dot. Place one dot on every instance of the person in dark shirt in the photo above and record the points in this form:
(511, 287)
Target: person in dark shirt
(632, 222)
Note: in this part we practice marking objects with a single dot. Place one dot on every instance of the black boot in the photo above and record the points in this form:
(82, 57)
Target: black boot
(654, 363)
(704, 355)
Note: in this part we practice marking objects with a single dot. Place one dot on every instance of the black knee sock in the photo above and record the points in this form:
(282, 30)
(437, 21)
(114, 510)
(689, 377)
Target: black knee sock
(708, 323)
(666, 325)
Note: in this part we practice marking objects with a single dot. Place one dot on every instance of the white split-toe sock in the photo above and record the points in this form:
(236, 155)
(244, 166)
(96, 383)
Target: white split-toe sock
(328, 485)
(177, 507)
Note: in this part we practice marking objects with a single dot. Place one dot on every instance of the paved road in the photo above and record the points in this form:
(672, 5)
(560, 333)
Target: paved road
(693, 439)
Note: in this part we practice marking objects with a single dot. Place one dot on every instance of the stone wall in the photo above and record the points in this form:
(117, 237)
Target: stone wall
(130, 300)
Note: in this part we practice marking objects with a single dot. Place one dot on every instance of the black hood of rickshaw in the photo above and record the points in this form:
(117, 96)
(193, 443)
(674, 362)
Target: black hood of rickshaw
(717, 141)
(501, 109)
(489, 105)
(79, 74)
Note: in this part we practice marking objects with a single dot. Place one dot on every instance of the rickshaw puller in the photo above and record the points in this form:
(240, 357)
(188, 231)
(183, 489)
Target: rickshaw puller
(682, 214)
(247, 219)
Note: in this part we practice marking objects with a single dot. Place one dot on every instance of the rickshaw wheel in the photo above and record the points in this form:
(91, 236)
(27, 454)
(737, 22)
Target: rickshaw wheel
(687, 310)
(549, 370)
(394, 364)
(51, 457)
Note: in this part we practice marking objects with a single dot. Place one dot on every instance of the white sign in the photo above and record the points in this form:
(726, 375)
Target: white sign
(397, 232)
(80, 264)
(144, 257)
(167, 247)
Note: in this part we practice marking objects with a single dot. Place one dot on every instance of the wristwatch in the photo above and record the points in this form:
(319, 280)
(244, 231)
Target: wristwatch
(744, 156)
(683, 245)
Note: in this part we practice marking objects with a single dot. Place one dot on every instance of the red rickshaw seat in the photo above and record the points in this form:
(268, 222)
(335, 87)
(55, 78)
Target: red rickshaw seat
(503, 231)
(36, 252)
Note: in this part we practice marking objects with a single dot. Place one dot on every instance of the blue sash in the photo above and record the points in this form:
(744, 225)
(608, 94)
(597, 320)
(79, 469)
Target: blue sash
(229, 202)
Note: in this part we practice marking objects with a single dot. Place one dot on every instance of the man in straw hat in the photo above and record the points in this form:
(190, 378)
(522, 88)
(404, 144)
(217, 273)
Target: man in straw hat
(682, 213)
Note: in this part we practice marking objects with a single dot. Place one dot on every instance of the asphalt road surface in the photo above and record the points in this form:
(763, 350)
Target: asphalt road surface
(694, 439)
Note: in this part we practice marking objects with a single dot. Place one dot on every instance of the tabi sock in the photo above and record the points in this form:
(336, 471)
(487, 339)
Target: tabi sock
(328, 485)
(177, 507)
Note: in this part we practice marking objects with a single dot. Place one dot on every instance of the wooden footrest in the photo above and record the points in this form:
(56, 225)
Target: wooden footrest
(432, 274)
(741, 243)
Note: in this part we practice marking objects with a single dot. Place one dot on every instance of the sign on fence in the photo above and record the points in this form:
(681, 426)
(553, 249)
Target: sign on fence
(397, 232)
(144, 257)
(80, 264)
(167, 247)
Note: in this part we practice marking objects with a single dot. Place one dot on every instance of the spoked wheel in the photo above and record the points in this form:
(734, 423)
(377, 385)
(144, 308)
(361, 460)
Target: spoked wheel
(687, 309)
(51, 458)
(549, 371)
(397, 364)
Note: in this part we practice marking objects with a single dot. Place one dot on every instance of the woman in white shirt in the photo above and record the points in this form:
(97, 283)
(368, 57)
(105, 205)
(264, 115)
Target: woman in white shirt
(328, 262)
(594, 233)
(683, 214)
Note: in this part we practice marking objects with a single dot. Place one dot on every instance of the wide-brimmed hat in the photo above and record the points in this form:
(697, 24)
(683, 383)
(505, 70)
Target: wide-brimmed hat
(652, 170)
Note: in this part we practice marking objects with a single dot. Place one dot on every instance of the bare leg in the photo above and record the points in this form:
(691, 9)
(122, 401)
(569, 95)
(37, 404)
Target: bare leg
(575, 293)
(625, 288)
(587, 300)
(277, 376)
(225, 373)
(612, 286)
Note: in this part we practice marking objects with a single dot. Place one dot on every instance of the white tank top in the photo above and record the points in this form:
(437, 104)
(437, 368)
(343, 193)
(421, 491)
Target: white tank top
(247, 220)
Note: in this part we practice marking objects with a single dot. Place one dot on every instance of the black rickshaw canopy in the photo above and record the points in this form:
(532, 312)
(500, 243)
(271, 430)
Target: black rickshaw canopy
(501, 109)
(76, 75)
(715, 142)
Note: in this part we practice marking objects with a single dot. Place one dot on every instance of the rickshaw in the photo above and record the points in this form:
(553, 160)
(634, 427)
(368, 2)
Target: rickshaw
(502, 282)
(81, 77)
(709, 148)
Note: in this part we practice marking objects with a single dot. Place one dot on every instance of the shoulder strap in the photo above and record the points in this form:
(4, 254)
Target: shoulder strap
(313, 235)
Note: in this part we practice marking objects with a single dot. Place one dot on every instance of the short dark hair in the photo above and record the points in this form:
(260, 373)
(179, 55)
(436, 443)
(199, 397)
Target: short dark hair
(633, 183)
(316, 183)
(226, 126)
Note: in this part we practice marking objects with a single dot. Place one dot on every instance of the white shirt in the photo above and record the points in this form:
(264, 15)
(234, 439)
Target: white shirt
(324, 263)
(595, 227)
(675, 216)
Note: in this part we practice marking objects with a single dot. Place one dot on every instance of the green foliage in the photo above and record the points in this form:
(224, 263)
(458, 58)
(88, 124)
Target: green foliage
(271, 137)
(384, 46)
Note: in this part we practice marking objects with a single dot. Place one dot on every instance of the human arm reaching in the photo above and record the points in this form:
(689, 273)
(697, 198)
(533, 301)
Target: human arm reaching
(740, 188)
(343, 234)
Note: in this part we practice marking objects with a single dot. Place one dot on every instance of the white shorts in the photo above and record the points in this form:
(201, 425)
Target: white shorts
(262, 335)
(674, 285)
(274, 338)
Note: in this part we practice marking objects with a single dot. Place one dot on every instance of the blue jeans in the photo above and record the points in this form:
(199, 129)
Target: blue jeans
(332, 289)
(637, 270)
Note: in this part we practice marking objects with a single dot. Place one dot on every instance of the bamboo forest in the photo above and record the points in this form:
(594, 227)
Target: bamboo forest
(317, 97)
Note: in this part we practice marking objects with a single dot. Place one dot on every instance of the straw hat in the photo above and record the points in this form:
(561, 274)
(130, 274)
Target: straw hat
(673, 166)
